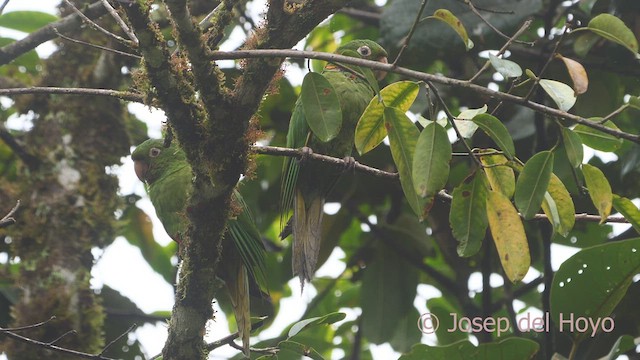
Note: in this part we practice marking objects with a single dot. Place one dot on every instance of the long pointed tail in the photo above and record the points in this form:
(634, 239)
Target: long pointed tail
(307, 228)
(239, 293)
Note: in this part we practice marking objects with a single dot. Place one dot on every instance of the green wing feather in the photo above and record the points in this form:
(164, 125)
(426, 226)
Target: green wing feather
(296, 138)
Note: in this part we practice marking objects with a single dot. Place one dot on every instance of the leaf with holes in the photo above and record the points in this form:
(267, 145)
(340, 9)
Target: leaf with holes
(468, 216)
(500, 175)
(321, 106)
(532, 183)
(508, 235)
(448, 18)
(370, 130)
(599, 190)
(599, 276)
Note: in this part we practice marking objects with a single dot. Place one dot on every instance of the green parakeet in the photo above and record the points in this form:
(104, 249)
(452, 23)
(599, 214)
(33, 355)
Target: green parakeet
(168, 177)
(306, 184)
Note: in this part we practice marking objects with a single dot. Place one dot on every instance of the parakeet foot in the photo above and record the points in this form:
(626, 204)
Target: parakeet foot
(306, 153)
(349, 163)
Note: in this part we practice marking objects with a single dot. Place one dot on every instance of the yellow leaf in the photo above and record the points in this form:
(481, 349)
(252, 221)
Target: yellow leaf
(508, 235)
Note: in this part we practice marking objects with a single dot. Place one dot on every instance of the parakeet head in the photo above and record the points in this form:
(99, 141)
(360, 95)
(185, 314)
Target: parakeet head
(152, 160)
(365, 49)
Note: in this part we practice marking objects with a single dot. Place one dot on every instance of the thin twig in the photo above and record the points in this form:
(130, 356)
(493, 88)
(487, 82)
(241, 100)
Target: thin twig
(99, 28)
(32, 326)
(298, 153)
(97, 46)
(131, 328)
(464, 84)
(504, 48)
(546, 65)
(62, 336)
(4, 5)
(451, 119)
(120, 22)
(66, 25)
(443, 195)
(474, 9)
(407, 39)
(616, 112)
(123, 95)
(51, 347)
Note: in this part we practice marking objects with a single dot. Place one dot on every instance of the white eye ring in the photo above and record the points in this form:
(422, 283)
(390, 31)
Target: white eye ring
(364, 50)
(154, 152)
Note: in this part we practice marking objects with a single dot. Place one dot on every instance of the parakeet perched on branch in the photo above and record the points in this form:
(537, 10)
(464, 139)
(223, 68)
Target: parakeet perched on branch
(306, 184)
(168, 177)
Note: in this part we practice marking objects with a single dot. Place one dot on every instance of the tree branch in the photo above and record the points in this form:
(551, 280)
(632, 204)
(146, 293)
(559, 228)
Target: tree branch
(375, 65)
(65, 25)
(10, 332)
(50, 90)
(443, 195)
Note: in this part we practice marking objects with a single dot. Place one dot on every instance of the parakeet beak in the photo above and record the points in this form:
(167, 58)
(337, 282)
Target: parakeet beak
(379, 73)
(141, 169)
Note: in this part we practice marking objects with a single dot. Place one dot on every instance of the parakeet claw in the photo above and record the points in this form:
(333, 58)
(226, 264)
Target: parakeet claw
(306, 152)
(349, 163)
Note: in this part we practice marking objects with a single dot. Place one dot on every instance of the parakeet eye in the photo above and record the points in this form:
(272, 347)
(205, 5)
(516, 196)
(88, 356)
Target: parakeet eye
(154, 152)
(364, 50)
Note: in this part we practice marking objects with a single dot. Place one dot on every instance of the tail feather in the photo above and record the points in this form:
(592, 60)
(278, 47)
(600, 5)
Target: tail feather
(239, 293)
(307, 221)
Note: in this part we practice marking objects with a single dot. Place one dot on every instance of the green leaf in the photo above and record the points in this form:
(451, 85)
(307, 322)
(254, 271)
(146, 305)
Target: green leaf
(370, 130)
(300, 349)
(448, 18)
(561, 93)
(599, 190)
(533, 183)
(431, 160)
(26, 21)
(321, 106)
(599, 276)
(506, 68)
(389, 287)
(614, 29)
(508, 235)
(558, 206)
(510, 348)
(500, 175)
(403, 136)
(630, 212)
(463, 121)
(315, 321)
(621, 346)
(468, 216)
(497, 132)
(573, 147)
(598, 140)
(634, 102)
